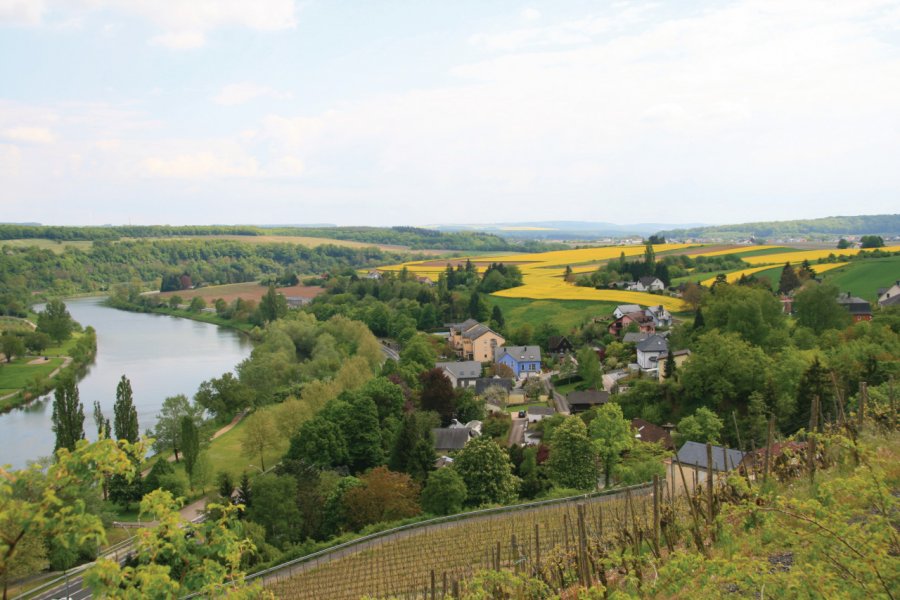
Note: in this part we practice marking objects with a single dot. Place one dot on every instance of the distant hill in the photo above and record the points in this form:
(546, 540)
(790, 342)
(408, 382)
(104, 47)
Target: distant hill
(830, 227)
(565, 230)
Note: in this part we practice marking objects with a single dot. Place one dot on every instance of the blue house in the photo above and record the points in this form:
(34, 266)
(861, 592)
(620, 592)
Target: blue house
(523, 360)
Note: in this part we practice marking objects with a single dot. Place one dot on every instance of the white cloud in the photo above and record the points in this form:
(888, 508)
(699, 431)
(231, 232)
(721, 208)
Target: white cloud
(179, 40)
(22, 12)
(531, 14)
(184, 23)
(240, 93)
(202, 165)
(28, 135)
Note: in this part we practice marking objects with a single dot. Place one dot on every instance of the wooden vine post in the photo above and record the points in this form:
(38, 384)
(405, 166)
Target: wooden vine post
(709, 483)
(768, 448)
(656, 489)
(582, 549)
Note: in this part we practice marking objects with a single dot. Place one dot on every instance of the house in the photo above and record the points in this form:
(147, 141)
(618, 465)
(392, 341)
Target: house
(611, 380)
(633, 337)
(693, 459)
(523, 360)
(646, 431)
(787, 304)
(661, 317)
(859, 309)
(889, 296)
(472, 340)
(538, 413)
(443, 461)
(643, 322)
(647, 284)
(649, 351)
(584, 401)
(425, 280)
(461, 374)
(624, 309)
(483, 383)
(559, 345)
(448, 439)
(680, 357)
(373, 274)
(297, 301)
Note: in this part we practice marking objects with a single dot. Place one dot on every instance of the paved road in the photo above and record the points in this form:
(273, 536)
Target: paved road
(517, 431)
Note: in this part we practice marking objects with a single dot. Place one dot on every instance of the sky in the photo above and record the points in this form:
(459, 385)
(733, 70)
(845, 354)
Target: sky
(383, 112)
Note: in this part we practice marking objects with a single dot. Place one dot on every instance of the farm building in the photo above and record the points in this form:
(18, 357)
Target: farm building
(538, 413)
(693, 459)
(859, 309)
(890, 295)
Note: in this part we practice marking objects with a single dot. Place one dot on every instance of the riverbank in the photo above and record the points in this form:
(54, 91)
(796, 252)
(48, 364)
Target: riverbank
(183, 313)
(32, 376)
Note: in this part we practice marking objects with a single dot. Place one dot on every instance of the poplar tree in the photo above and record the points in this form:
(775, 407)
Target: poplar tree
(68, 415)
(125, 418)
(190, 444)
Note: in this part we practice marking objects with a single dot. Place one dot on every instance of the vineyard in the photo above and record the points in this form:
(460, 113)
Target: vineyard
(430, 561)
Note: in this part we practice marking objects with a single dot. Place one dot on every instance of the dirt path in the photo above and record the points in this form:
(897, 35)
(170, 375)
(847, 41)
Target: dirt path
(237, 419)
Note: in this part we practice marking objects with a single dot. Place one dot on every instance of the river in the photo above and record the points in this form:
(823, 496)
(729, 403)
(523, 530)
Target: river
(161, 355)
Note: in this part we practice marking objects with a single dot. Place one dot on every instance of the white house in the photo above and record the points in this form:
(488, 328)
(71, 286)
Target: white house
(661, 317)
(889, 296)
(648, 284)
(649, 351)
(624, 309)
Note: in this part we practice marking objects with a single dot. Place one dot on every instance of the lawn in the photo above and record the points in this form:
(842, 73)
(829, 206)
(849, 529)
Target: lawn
(863, 278)
(225, 454)
(18, 374)
(565, 314)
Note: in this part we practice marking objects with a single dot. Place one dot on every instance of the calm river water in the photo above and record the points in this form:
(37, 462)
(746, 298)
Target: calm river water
(162, 356)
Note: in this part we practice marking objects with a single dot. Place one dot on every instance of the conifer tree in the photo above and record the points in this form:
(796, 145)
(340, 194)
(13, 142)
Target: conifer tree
(190, 444)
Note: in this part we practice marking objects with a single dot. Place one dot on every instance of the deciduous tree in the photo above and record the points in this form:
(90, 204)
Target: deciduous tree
(487, 472)
(444, 493)
(612, 436)
(573, 459)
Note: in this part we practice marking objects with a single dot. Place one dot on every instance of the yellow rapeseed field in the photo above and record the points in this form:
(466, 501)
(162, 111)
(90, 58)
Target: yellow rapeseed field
(810, 255)
(735, 275)
(542, 274)
(736, 250)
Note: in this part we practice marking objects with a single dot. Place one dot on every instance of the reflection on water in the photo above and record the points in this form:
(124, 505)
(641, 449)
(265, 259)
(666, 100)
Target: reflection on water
(161, 355)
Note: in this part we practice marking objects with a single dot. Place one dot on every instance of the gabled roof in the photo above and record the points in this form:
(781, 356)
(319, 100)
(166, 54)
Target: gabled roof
(541, 410)
(649, 280)
(694, 454)
(464, 326)
(450, 438)
(555, 341)
(469, 369)
(854, 304)
(588, 397)
(633, 337)
(648, 432)
(654, 343)
(518, 353)
(473, 333)
(483, 383)
(628, 308)
(638, 317)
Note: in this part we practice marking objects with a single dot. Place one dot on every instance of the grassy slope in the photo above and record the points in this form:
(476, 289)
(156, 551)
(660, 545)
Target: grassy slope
(18, 374)
(863, 278)
(57, 247)
(565, 314)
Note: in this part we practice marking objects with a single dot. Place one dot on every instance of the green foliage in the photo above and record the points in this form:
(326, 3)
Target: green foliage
(56, 321)
(319, 442)
(444, 493)
(487, 472)
(190, 443)
(384, 496)
(612, 436)
(871, 241)
(438, 394)
(753, 313)
(125, 421)
(273, 305)
(703, 426)
(167, 432)
(176, 557)
(274, 507)
(68, 415)
(573, 459)
(589, 369)
(38, 504)
(817, 308)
